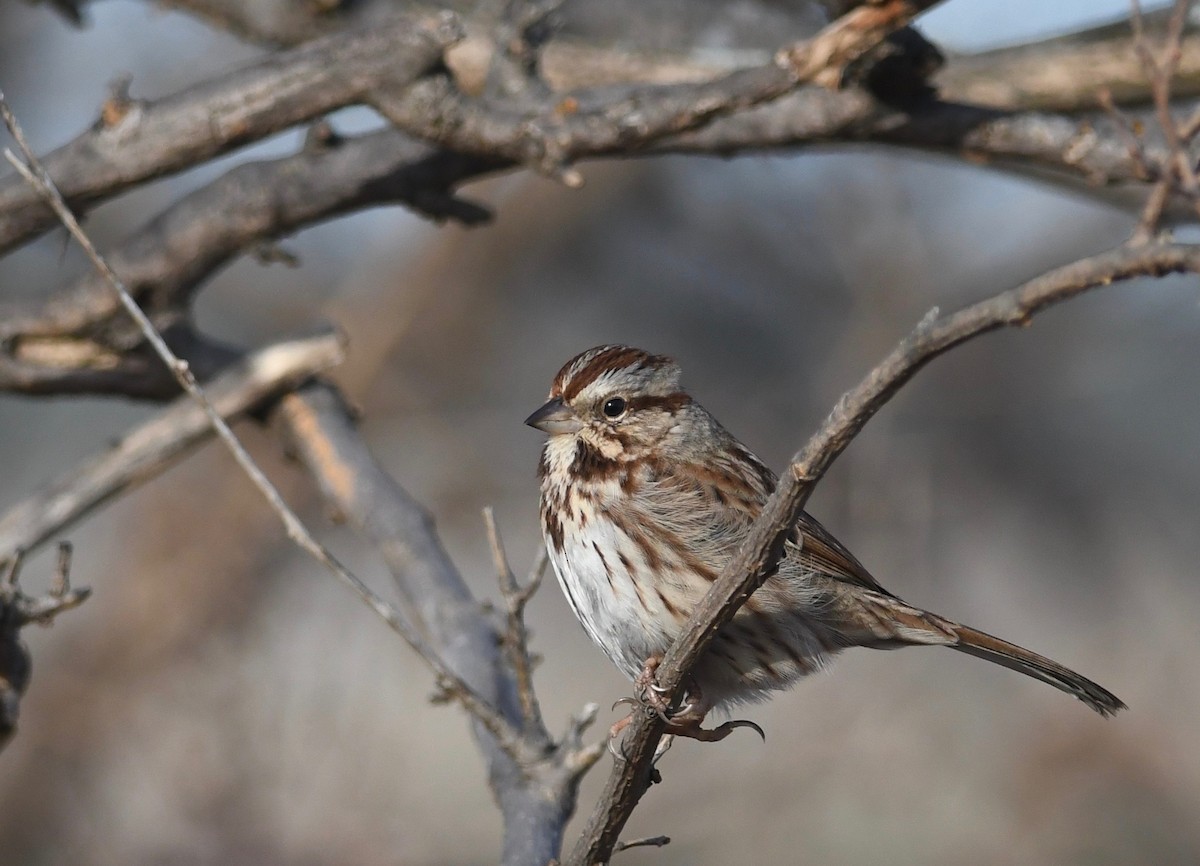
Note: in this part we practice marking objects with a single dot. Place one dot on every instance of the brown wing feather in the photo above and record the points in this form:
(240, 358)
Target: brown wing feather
(822, 553)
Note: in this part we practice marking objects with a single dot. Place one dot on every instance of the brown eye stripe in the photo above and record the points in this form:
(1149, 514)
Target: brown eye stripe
(670, 403)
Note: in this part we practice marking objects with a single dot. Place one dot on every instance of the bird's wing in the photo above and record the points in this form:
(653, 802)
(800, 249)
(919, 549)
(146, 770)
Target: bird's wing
(737, 488)
(823, 554)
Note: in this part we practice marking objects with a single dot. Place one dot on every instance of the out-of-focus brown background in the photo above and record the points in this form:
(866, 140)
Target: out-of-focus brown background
(221, 700)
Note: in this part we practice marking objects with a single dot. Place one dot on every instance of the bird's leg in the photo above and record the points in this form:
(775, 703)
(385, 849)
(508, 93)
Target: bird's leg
(650, 696)
(649, 692)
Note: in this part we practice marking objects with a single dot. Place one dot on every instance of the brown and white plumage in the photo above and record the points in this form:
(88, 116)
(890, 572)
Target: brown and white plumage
(644, 499)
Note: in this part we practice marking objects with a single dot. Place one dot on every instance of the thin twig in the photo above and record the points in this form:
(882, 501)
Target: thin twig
(17, 610)
(648, 842)
(23, 609)
(516, 637)
(1176, 170)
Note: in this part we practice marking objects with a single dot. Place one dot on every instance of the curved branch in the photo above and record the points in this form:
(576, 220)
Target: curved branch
(602, 121)
(153, 446)
(762, 549)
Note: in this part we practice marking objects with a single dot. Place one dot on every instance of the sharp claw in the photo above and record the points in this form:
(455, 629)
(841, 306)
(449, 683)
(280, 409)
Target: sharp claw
(656, 687)
(620, 701)
(729, 727)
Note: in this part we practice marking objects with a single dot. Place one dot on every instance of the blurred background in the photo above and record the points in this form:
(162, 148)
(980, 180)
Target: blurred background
(222, 700)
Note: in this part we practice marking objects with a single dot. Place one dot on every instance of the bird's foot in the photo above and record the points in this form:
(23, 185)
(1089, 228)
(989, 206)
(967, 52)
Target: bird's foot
(693, 730)
(685, 721)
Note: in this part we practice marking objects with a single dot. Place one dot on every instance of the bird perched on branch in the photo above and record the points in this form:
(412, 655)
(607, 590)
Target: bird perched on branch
(644, 500)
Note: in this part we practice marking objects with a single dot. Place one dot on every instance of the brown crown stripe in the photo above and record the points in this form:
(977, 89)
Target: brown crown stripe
(615, 358)
(609, 358)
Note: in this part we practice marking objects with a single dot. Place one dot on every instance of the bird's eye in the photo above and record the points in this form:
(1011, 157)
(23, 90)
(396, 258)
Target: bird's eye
(614, 407)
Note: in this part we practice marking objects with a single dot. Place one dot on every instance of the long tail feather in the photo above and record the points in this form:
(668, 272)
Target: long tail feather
(885, 622)
(1019, 659)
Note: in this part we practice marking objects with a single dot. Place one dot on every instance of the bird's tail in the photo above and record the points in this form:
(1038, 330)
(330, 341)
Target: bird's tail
(886, 622)
(984, 646)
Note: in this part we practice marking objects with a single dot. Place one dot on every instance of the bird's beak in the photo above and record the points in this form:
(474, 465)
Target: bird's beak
(555, 418)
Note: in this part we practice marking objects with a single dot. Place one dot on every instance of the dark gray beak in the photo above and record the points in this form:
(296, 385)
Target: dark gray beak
(555, 418)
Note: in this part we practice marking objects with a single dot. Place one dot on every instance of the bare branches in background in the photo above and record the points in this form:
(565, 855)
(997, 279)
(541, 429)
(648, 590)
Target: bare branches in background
(138, 141)
(129, 328)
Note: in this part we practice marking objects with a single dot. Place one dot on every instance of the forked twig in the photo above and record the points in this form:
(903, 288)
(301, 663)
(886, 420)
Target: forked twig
(1176, 172)
(516, 597)
(22, 609)
(17, 610)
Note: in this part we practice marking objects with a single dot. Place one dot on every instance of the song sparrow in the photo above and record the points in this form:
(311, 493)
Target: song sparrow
(644, 499)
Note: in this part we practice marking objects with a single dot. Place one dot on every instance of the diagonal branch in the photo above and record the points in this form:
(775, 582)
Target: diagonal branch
(534, 779)
(762, 549)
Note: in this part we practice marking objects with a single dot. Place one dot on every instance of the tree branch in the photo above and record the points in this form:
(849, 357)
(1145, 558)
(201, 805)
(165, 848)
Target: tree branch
(138, 141)
(151, 447)
(534, 779)
(762, 549)
(35, 174)
(1065, 73)
(552, 135)
(166, 260)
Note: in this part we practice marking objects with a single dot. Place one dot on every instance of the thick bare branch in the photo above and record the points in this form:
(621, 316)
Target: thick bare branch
(1064, 73)
(554, 134)
(762, 549)
(285, 23)
(534, 781)
(164, 262)
(35, 174)
(137, 141)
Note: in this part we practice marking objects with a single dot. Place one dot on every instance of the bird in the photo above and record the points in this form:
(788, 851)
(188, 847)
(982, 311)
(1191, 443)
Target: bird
(644, 499)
